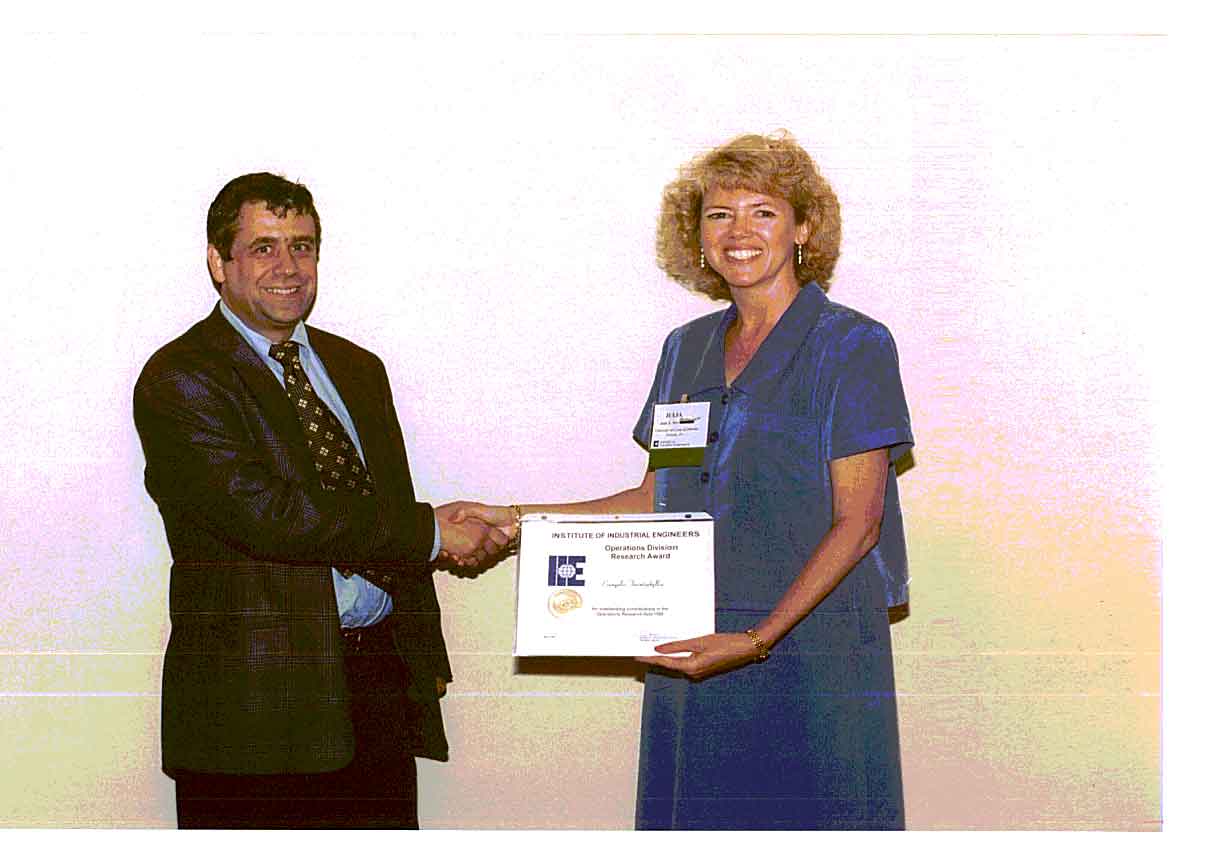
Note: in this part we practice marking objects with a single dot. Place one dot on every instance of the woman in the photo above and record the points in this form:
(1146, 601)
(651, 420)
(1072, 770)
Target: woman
(785, 717)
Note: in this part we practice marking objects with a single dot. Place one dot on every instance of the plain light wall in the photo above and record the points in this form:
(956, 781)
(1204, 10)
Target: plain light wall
(488, 207)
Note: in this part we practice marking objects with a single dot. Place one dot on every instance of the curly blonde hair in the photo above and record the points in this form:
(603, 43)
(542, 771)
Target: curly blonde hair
(770, 164)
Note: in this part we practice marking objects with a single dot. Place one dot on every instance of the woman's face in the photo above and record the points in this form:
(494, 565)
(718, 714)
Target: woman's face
(750, 238)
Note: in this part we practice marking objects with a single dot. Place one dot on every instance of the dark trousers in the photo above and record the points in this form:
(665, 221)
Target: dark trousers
(376, 790)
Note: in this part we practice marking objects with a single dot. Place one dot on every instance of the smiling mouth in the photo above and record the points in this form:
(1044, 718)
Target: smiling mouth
(283, 291)
(742, 254)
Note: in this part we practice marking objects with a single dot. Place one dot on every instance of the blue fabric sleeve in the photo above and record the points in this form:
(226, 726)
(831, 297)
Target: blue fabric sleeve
(870, 409)
(642, 428)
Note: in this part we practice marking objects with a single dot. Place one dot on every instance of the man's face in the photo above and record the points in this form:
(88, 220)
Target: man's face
(271, 279)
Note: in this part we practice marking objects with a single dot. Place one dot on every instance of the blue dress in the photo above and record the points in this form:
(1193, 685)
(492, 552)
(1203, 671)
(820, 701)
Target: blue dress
(809, 738)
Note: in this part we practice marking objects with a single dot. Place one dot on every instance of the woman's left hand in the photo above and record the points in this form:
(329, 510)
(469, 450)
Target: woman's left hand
(708, 655)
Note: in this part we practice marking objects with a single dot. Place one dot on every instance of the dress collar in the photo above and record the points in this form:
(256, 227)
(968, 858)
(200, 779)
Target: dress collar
(773, 354)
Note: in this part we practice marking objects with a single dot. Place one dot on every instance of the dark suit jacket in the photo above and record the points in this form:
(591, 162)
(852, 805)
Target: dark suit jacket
(254, 680)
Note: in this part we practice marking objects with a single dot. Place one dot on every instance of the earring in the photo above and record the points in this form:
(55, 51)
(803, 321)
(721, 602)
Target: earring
(799, 254)
(701, 258)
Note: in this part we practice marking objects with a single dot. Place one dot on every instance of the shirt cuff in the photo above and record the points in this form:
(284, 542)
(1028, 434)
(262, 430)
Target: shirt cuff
(436, 543)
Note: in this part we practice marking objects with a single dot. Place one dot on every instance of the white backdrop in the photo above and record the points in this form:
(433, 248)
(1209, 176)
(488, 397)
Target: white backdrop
(488, 209)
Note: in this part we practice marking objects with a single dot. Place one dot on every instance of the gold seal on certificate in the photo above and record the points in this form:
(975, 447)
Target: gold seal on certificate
(613, 586)
(564, 601)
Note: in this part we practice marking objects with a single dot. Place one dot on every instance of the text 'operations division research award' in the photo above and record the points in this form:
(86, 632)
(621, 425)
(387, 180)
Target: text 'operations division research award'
(613, 586)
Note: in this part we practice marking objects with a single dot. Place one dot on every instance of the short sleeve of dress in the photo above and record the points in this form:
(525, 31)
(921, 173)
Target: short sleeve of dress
(870, 409)
(667, 358)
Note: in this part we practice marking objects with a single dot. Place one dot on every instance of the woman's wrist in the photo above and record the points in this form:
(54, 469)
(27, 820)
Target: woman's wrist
(763, 650)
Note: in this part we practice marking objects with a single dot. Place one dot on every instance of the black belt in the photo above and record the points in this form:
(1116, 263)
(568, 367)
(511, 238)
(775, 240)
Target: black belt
(377, 639)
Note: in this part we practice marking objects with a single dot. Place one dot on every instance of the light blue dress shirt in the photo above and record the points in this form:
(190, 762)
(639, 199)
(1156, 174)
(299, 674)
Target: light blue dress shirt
(360, 603)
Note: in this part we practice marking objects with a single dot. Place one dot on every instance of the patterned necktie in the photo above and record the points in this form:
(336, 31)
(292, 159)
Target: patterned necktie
(336, 458)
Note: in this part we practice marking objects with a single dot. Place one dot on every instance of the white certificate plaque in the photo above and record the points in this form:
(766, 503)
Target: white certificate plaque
(613, 586)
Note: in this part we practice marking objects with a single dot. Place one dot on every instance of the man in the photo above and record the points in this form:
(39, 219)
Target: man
(306, 661)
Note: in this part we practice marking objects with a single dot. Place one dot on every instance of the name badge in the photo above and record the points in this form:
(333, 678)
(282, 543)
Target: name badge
(678, 436)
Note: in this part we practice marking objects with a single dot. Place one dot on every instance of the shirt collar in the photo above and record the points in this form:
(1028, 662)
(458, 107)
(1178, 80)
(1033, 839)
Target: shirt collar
(260, 343)
(788, 333)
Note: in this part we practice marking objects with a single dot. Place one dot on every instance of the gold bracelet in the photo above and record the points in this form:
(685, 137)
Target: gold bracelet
(763, 653)
(517, 522)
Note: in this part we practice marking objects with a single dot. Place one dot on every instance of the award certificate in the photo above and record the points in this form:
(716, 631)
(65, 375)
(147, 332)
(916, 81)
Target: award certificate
(613, 586)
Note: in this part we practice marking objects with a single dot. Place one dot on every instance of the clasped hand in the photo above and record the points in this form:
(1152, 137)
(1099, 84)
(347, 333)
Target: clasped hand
(466, 539)
(707, 655)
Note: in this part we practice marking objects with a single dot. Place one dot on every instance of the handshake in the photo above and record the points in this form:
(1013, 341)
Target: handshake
(476, 535)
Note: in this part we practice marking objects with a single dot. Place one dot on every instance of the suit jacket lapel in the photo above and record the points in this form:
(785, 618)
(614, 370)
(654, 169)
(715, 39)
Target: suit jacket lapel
(265, 387)
(362, 402)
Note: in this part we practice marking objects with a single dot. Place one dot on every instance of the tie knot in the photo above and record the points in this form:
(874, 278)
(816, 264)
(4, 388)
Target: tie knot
(286, 353)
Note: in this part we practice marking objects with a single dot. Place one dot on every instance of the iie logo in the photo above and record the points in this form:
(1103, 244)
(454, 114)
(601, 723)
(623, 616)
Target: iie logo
(566, 570)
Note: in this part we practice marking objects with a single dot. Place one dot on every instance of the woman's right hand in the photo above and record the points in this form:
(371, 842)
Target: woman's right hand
(493, 515)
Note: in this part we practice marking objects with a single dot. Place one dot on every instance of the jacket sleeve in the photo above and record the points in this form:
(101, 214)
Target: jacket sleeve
(213, 460)
(416, 602)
